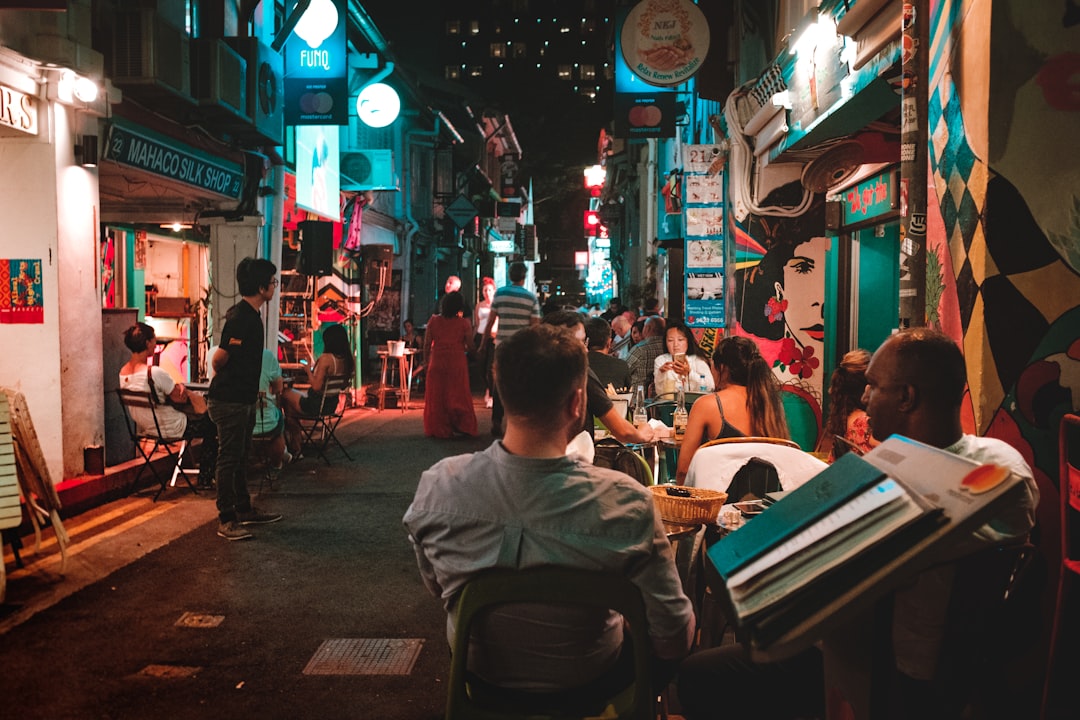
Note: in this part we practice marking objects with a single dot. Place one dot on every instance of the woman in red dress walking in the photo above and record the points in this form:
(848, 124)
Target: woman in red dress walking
(448, 403)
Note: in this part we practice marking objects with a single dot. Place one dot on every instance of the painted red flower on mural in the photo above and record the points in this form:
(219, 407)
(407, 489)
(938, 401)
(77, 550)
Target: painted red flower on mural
(774, 309)
(799, 360)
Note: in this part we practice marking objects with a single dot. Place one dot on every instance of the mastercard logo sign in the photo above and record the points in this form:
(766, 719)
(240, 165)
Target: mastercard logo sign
(645, 116)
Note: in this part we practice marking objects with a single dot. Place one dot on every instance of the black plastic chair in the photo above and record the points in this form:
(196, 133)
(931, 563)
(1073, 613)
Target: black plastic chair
(549, 585)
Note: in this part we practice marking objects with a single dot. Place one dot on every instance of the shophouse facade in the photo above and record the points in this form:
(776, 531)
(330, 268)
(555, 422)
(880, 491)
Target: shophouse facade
(138, 203)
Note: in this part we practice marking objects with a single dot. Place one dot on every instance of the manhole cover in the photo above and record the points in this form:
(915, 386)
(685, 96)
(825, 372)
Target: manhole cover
(365, 656)
(169, 672)
(199, 620)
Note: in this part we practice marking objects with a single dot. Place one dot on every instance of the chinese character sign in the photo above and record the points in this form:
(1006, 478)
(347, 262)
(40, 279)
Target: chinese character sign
(21, 300)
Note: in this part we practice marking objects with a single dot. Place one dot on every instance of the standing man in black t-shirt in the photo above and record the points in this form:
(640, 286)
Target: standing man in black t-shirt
(234, 391)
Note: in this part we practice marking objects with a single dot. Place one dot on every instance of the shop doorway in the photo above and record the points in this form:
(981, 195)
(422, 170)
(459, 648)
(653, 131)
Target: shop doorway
(863, 288)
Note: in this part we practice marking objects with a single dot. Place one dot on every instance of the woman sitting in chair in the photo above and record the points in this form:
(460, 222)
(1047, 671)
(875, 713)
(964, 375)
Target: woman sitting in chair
(682, 364)
(848, 426)
(336, 360)
(747, 402)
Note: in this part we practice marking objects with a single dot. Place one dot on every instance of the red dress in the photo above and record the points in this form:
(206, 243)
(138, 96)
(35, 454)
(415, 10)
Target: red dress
(448, 403)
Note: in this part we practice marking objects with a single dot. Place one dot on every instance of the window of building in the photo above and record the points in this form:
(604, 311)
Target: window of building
(476, 71)
(564, 30)
(565, 72)
(588, 25)
(588, 72)
(518, 50)
(498, 50)
(453, 27)
(588, 93)
(452, 72)
(521, 6)
(474, 27)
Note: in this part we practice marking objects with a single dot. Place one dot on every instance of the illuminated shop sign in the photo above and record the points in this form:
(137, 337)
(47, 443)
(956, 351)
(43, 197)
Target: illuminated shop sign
(664, 42)
(316, 81)
(18, 110)
(870, 198)
(146, 150)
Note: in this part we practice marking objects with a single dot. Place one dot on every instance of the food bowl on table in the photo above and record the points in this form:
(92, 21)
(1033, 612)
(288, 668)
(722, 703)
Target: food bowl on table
(691, 505)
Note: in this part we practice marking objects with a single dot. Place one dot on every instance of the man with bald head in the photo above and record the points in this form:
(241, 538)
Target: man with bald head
(914, 387)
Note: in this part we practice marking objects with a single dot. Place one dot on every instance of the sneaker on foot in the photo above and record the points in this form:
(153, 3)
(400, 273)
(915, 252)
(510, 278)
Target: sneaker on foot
(233, 531)
(286, 457)
(254, 516)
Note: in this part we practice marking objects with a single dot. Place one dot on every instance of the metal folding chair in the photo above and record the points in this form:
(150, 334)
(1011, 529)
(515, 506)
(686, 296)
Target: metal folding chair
(131, 399)
(318, 429)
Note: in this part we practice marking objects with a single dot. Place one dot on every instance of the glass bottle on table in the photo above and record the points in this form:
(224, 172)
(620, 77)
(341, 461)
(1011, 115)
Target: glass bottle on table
(680, 417)
(641, 416)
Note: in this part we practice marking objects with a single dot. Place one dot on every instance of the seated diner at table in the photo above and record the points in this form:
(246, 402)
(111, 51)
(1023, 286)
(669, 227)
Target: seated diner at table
(847, 427)
(746, 403)
(335, 360)
(180, 412)
(915, 388)
(559, 512)
(598, 405)
(682, 364)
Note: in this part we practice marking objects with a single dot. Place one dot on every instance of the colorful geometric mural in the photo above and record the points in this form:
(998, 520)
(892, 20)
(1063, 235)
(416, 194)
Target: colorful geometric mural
(1004, 218)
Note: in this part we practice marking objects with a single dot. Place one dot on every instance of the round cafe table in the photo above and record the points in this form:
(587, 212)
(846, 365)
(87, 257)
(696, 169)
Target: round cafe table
(403, 369)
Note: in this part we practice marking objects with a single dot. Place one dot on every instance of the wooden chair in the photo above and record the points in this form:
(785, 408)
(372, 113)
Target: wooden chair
(317, 430)
(752, 439)
(1063, 653)
(466, 697)
(176, 447)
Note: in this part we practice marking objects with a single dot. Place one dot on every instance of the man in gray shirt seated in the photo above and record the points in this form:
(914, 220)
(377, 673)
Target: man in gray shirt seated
(522, 503)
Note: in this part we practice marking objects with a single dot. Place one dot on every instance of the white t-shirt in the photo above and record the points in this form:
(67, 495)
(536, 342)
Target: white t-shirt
(173, 423)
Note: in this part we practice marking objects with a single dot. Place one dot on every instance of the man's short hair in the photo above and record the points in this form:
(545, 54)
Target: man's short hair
(537, 370)
(254, 274)
(653, 326)
(598, 331)
(568, 319)
(518, 272)
(136, 336)
(932, 362)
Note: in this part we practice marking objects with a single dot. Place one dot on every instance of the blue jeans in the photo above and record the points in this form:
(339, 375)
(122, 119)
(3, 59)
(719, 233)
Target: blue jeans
(235, 423)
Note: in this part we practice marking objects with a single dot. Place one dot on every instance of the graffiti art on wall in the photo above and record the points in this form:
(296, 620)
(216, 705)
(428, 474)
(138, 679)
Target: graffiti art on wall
(780, 292)
(1006, 217)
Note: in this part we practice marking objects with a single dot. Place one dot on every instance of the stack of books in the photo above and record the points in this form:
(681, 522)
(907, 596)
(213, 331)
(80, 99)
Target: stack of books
(849, 535)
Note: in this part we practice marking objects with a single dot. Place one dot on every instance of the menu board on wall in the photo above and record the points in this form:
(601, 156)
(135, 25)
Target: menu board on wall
(705, 236)
(20, 299)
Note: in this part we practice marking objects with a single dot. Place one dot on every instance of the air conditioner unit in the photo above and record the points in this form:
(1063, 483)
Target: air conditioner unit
(265, 91)
(219, 80)
(150, 57)
(367, 170)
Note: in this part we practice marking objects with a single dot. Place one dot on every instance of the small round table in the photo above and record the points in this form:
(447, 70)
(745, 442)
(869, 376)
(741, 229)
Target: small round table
(401, 389)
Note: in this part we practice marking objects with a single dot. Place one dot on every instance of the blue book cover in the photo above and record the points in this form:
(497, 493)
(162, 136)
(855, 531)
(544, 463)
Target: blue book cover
(822, 494)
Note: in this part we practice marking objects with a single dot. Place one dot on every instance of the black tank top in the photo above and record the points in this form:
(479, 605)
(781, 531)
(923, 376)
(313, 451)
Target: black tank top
(727, 430)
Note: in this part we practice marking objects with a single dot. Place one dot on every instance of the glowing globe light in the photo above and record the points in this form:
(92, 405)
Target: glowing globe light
(317, 23)
(378, 105)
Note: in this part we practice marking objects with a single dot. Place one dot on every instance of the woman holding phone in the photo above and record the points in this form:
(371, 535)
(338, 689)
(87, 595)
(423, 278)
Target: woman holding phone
(682, 364)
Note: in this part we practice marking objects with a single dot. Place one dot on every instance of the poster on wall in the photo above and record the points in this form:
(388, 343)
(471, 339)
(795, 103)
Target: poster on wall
(21, 301)
(706, 247)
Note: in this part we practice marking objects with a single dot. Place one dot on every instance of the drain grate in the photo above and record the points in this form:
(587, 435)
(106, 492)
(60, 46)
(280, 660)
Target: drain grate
(169, 672)
(365, 656)
(199, 620)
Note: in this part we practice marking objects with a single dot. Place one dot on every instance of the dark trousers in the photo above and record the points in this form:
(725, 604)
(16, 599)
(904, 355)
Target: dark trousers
(235, 423)
(202, 427)
(722, 683)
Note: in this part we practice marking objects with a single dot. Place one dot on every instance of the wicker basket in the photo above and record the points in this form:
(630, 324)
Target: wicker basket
(703, 506)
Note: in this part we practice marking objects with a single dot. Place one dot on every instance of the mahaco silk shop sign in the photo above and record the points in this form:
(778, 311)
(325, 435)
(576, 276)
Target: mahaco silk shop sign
(143, 149)
(664, 42)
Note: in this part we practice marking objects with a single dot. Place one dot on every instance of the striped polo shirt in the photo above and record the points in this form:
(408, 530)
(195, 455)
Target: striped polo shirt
(515, 306)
